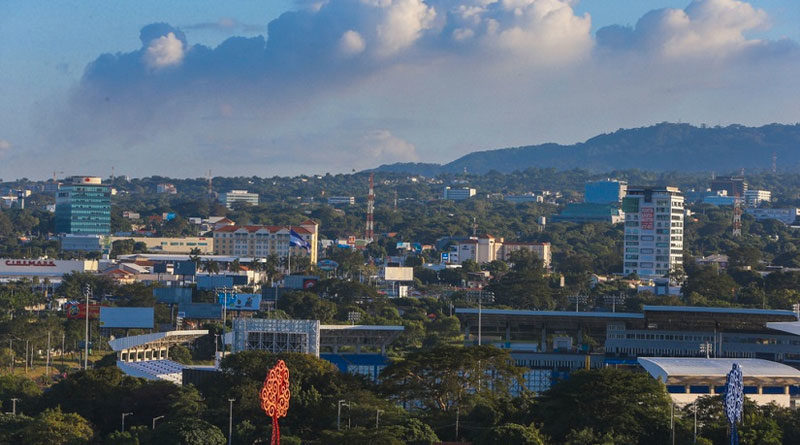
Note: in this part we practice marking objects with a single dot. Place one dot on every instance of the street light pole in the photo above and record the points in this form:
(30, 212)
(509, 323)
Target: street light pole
(123, 420)
(87, 292)
(377, 417)
(339, 414)
(47, 363)
(230, 421)
(154, 420)
(14, 406)
(480, 313)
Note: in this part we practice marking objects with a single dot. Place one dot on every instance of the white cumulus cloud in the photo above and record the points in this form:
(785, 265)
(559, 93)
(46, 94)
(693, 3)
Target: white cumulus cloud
(351, 43)
(164, 51)
(402, 24)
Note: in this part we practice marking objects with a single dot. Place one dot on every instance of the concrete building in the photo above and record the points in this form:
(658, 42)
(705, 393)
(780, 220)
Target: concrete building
(653, 231)
(721, 198)
(166, 188)
(590, 212)
(488, 248)
(235, 196)
(341, 200)
(83, 207)
(525, 197)
(172, 245)
(732, 185)
(12, 268)
(459, 194)
(754, 197)
(786, 216)
(261, 241)
(610, 191)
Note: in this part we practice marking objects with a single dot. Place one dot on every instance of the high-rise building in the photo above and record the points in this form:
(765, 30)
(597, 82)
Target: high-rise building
(653, 231)
(235, 196)
(83, 206)
(733, 185)
(610, 191)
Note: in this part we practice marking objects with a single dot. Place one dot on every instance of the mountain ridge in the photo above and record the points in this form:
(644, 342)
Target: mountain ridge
(661, 147)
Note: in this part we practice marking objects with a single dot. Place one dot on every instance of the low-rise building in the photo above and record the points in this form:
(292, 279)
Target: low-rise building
(262, 241)
(754, 197)
(172, 244)
(234, 196)
(488, 248)
(786, 216)
(166, 188)
(458, 194)
(341, 200)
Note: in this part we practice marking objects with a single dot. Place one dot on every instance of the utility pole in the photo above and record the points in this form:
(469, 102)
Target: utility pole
(230, 420)
(480, 314)
(87, 292)
(47, 363)
(26, 356)
(154, 420)
(63, 337)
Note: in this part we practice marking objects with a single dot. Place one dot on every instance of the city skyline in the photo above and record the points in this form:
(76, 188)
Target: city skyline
(344, 85)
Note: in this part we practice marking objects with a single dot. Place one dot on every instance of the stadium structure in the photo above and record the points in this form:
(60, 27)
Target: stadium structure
(147, 355)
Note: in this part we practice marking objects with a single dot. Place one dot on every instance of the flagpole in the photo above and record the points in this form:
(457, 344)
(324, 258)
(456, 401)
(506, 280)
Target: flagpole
(289, 262)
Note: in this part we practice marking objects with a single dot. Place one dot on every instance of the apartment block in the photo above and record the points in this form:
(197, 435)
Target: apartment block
(262, 241)
(653, 231)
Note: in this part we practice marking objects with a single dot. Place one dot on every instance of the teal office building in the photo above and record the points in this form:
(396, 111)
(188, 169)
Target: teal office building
(83, 206)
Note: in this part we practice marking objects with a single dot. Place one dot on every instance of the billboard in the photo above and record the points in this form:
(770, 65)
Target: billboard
(300, 281)
(201, 311)
(173, 295)
(207, 282)
(240, 302)
(127, 317)
(398, 273)
(185, 268)
(327, 265)
(77, 311)
(647, 218)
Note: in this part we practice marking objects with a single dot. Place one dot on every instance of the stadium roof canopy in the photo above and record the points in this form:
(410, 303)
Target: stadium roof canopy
(719, 310)
(168, 338)
(687, 371)
(791, 327)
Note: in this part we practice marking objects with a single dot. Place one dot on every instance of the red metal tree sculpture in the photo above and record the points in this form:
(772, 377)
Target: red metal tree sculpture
(275, 397)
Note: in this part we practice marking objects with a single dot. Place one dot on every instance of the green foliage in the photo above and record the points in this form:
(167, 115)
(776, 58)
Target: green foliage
(509, 433)
(188, 431)
(55, 427)
(525, 286)
(21, 387)
(180, 354)
(307, 306)
(620, 402)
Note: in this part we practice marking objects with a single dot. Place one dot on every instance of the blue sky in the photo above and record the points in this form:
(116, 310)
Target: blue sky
(346, 84)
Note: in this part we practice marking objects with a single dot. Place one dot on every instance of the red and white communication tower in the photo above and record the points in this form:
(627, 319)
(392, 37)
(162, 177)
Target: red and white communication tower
(370, 232)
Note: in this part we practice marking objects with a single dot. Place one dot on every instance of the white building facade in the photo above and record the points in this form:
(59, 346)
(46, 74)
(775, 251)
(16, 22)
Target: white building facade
(653, 231)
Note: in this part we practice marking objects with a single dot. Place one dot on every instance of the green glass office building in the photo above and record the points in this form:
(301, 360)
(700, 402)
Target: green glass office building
(83, 206)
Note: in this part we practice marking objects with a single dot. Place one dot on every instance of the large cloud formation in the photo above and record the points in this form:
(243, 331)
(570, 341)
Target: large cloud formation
(353, 83)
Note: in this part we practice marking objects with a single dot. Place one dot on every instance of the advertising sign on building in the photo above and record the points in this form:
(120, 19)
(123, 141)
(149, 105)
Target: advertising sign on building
(327, 265)
(647, 218)
(240, 302)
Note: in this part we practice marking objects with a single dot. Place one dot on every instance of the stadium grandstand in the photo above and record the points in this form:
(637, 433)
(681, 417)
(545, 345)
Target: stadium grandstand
(147, 355)
(687, 379)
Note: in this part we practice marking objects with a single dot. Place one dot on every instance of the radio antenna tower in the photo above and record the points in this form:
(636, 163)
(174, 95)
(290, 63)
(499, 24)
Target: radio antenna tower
(208, 179)
(370, 233)
(774, 162)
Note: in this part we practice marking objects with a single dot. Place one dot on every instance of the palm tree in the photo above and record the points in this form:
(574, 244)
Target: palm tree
(235, 266)
(211, 266)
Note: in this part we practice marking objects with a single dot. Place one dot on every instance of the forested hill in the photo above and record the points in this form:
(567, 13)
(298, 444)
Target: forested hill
(662, 147)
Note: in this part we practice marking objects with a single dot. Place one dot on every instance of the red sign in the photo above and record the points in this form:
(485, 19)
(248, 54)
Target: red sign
(647, 218)
(38, 263)
(309, 283)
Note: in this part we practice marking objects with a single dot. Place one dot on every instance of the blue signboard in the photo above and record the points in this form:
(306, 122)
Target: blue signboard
(240, 302)
(327, 264)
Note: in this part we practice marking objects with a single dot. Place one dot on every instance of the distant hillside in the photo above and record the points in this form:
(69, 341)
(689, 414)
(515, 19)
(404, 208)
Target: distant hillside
(662, 147)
